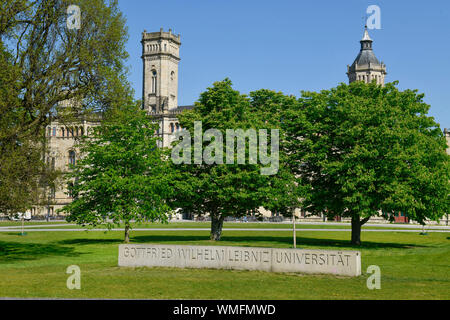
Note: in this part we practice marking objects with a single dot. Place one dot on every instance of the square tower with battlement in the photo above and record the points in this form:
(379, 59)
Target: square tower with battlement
(160, 57)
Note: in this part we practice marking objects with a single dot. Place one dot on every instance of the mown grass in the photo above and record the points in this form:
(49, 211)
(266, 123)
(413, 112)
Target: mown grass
(232, 225)
(412, 267)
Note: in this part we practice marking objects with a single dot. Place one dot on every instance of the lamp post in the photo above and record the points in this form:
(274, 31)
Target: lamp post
(48, 207)
(295, 231)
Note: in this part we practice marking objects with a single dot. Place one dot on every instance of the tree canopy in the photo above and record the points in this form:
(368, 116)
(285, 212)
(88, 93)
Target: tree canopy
(49, 71)
(367, 149)
(122, 175)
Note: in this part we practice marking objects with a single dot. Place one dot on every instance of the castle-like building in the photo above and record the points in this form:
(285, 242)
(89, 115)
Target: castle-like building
(160, 58)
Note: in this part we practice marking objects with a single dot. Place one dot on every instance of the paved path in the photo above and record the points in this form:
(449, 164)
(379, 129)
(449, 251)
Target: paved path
(56, 225)
(207, 229)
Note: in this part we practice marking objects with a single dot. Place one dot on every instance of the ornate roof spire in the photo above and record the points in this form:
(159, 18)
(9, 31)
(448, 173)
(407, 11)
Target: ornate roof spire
(366, 36)
(366, 41)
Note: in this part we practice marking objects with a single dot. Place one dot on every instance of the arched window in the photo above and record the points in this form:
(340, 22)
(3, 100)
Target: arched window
(177, 126)
(62, 132)
(171, 128)
(82, 131)
(72, 157)
(154, 79)
(172, 75)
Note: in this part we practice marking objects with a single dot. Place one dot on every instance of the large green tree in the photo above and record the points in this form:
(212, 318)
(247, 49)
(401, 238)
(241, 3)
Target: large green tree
(122, 175)
(44, 65)
(220, 189)
(283, 192)
(367, 149)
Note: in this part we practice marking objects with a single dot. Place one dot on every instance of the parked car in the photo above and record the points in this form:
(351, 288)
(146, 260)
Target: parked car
(18, 216)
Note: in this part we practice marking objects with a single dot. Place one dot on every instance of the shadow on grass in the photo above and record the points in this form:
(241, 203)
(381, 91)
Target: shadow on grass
(15, 251)
(168, 238)
(82, 241)
(264, 240)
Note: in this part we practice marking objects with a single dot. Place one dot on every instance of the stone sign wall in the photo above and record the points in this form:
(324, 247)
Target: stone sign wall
(346, 263)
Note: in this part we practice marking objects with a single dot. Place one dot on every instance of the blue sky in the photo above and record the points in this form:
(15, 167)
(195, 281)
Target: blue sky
(296, 45)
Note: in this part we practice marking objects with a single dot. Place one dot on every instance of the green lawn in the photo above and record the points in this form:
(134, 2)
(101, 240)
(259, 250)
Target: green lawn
(234, 225)
(412, 267)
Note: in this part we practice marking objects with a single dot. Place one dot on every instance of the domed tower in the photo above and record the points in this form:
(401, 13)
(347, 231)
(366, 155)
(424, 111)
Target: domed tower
(366, 66)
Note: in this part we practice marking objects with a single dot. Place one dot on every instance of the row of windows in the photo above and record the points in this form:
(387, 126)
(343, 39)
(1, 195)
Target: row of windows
(65, 131)
(156, 47)
(71, 155)
(174, 127)
(366, 78)
(49, 210)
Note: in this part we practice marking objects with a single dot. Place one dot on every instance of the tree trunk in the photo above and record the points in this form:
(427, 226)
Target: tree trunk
(127, 233)
(216, 227)
(356, 229)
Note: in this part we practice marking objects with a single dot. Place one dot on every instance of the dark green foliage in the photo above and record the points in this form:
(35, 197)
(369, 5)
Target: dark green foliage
(365, 149)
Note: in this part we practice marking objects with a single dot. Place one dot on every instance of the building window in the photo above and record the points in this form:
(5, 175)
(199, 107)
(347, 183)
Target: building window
(154, 78)
(171, 128)
(70, 189)
(72, 157)
(62, 132)
(172, 75)
(177, 126)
